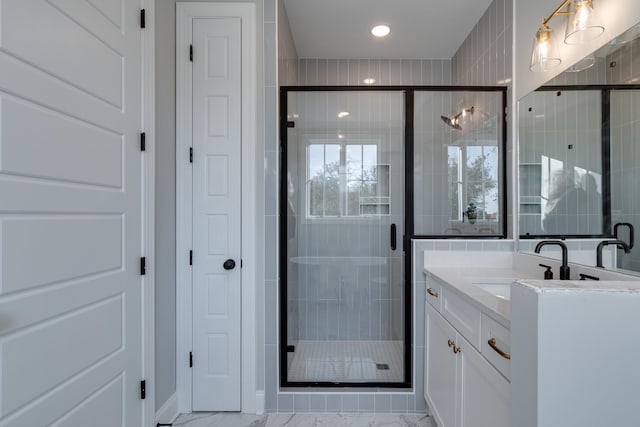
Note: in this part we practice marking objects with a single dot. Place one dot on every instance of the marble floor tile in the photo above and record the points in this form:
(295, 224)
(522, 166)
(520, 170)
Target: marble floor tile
(202, 419)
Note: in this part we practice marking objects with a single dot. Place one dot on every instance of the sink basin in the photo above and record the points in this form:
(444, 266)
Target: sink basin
(497, 286)
(500, 290)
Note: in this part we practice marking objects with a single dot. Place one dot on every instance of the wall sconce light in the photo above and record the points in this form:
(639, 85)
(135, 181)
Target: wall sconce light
(583, 25)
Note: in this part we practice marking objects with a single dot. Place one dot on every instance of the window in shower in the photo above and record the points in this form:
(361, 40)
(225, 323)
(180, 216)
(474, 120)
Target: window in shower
(344, 179)
(473, 178)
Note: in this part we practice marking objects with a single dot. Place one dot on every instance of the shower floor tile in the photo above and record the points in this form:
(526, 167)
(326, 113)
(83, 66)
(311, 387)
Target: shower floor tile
(347, 361)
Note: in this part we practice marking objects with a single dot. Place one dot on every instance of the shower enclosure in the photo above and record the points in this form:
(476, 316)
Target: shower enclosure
(352, 186)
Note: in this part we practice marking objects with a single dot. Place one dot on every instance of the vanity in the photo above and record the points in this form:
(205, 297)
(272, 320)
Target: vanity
(500, 349)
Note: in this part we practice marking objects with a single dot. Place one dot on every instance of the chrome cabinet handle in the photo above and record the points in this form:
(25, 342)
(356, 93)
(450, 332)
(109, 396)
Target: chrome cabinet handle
(432, 293)
(493, 345)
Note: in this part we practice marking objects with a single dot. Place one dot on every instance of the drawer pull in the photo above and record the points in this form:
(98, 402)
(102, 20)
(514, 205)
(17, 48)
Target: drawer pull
(432, 293)
(492, 344)
(450, 343)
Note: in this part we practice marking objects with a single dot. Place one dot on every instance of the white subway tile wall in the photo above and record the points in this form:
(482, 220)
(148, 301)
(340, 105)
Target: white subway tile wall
(485, 57)
(384, 72)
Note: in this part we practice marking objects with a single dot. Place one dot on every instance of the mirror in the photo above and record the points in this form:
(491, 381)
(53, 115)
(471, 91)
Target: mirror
(579, 157)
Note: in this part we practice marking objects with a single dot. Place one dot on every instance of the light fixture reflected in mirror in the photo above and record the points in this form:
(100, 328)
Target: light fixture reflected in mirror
(583, 24)
(545, 54)
(584, 64)
(626, 37)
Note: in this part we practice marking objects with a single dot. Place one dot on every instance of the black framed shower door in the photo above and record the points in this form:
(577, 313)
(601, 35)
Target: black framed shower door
(322, 187)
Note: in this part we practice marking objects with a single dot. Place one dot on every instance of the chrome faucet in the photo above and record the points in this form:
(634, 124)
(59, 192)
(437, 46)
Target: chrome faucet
(564, 268)
(601, 245)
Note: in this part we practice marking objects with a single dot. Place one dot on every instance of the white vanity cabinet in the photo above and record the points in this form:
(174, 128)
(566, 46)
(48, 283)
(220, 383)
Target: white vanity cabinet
(440, 385)
(461, 387)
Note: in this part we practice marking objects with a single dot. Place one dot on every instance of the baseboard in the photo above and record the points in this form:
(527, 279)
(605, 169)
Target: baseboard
(169, 411)
(260, 402)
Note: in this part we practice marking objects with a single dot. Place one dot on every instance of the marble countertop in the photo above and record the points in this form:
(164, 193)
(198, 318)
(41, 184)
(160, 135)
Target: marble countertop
(462, 281)
(461, 269)
(543, 286)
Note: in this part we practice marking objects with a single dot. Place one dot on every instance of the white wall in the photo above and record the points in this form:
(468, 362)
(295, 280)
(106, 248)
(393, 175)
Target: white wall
(617, 15)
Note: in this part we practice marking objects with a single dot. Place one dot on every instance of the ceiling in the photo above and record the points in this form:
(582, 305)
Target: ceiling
(420, 29)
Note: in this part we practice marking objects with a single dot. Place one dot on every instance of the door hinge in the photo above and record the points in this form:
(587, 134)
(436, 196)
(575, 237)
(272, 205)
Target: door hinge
(191, 257)
(191, 359)
(143, 141)
(143, 266)
(143, 389)
(143, 18)
(191, 52)
(291, 124)
(190, 154)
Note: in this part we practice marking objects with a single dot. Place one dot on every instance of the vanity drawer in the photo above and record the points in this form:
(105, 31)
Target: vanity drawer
(434, 294)
(464, 316)
(496, 345)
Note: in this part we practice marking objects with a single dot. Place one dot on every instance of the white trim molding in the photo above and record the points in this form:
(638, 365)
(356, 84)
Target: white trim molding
(168, 413)
(185, 13)
(148, 208)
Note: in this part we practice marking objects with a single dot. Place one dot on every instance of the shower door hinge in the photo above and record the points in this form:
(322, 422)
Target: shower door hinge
(291, 348)
(143, 141)
(191, 359)
(143, 389)
(291, 124)
(143, 18)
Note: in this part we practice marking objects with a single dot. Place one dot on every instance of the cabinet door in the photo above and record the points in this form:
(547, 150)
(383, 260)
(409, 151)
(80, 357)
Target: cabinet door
(440, 369)
(483, 392)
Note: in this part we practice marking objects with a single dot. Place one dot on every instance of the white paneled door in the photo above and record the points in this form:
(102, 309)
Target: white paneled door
(217, 135)
(70, 213)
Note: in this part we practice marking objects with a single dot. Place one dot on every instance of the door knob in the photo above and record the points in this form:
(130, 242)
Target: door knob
(229, 264)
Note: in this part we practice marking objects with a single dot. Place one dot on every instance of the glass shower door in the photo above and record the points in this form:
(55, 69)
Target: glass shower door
(343, 282)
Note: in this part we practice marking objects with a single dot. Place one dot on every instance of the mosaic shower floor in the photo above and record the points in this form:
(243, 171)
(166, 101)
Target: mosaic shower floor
(347, 361)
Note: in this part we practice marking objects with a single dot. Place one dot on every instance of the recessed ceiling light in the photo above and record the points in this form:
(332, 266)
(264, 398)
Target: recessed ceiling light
(380, 30)
(369, 81)
(342, 114)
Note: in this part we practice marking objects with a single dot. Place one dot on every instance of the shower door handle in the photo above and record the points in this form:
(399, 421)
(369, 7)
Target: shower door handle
(394, 237)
